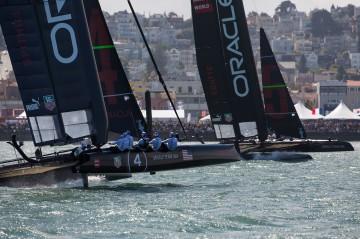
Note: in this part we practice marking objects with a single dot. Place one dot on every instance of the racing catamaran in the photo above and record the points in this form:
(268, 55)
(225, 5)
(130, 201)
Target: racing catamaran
(229, 77)
(69, 94)
(281, 115)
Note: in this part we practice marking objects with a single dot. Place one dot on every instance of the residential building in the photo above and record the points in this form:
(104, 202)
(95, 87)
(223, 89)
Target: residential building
(312, 61)
(353, 94)
(355, 60)
(5, 65)
(330, 93)
(122, 26)
(283, 45)
(303, 46)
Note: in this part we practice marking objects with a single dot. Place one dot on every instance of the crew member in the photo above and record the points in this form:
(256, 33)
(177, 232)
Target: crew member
(156, 142)
(130, 140)
(172, 142)
(122, 143)
(143, 142)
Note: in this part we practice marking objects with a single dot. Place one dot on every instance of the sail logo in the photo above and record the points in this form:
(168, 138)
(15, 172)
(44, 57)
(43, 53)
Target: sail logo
(60, 25)
(35, 105)
(230, 31)
(49, 102)
(202, 6)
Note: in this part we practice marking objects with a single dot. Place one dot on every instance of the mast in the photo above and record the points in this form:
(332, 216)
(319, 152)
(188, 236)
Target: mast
(156, 67)
(227, 69)
(281, 114)
(123, 110)
(51, 53)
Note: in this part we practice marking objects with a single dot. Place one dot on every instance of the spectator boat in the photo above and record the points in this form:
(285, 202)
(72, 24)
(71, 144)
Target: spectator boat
(73, 89)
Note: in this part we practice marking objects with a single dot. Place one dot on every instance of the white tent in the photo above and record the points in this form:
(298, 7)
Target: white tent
(22, 115)
(306, 114)
(342, 112)
(165, 114)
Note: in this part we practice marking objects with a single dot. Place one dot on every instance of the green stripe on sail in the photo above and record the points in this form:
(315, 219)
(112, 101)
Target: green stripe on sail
(100, 47)
(274, 86)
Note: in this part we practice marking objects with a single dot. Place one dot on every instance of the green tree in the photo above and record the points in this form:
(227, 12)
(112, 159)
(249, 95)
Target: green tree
(285, 8)
(322, 24)
(302, 65)
(341, 74)
(160, 57)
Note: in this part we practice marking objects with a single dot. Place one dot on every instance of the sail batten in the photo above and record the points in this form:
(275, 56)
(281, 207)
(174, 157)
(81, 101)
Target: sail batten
(281, 114)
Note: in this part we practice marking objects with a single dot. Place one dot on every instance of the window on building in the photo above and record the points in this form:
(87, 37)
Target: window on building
(190, 89)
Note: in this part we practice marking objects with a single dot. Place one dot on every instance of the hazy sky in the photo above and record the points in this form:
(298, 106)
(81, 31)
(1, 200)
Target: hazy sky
(182, 7)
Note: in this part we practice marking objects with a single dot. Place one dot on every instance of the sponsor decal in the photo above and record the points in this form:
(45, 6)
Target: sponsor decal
(228, 118)
(59, 24)
(187, 155)
(216, 118)
(166, 156)
(35, 105)
(118, 162)
(230, 30)
(203, 6)
(49, 102)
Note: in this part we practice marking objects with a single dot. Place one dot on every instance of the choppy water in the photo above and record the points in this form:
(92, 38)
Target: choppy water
(259, 199)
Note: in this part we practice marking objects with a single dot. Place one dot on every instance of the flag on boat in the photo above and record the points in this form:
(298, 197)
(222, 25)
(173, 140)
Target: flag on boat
(187, 155)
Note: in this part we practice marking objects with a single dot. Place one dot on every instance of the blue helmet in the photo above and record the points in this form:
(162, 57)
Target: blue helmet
(172, 134)
(143, 134)
(128, 132)
(156, 134)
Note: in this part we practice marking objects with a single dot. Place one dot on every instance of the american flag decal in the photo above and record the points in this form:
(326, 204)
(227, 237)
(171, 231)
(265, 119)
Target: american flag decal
(97, 163)
(187, 155)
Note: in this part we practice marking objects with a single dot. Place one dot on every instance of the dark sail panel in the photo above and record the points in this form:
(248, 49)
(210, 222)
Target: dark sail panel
(123, 110)
(227, 66)
(241, 67)
(210, 61)
(279, 109)
(51, 52)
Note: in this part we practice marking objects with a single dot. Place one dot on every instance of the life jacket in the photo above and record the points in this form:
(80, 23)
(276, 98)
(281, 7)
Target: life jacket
(130, 141)
(156, 143)
(172, 143)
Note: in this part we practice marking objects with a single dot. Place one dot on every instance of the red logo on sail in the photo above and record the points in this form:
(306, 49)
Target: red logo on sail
(203, 6)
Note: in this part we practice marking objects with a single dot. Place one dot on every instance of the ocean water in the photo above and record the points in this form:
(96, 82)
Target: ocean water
(249, 199)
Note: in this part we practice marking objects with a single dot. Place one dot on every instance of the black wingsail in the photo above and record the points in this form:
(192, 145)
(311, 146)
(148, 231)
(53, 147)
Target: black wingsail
(123, 110)
(53, 61)
(227, 68)
(280, 112)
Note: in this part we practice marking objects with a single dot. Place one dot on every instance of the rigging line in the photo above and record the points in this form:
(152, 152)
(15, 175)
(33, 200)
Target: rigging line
(156, 66)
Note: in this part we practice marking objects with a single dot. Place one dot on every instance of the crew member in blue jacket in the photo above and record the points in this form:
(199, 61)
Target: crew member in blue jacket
(130, 140)
(143, 142)
(156, 142)
(172, 142)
